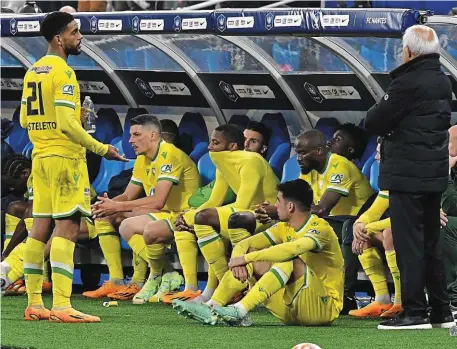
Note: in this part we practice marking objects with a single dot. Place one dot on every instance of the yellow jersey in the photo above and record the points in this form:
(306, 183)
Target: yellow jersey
(51, 111)
(325, 261)
(371, 217)
(169, 164)
(342, 176)
(248, 174)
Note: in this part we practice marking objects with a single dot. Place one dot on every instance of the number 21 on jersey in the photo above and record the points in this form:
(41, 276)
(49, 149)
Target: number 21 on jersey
(35, 100)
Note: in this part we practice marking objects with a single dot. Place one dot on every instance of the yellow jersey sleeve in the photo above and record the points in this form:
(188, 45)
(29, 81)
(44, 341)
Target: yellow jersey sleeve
(320, 234)
(376, 210)
(378, 226)
(260, 241)
(137, 170)
(171, 169)
(250, 180)
(339, 179)
(218, 193)
(65, 103)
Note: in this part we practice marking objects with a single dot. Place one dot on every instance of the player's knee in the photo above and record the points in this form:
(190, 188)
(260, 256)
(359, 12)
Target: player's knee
(116, 219)
(17, 208)
(125, 229)
(152, 235)
(387, 242)
(260, 268)
(206, 217)
(243, 220)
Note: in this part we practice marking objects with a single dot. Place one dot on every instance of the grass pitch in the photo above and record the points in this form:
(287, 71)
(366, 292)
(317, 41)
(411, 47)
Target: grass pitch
(156, 326)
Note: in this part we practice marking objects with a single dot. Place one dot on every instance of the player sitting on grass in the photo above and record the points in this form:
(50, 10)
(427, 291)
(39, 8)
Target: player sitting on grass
(224, 138)
(51, 111)
(298, 265)
(370, 231)
(169, 177)
(110, 243)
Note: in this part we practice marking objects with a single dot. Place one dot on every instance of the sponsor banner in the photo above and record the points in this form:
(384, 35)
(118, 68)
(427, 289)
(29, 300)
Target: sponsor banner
(98, 87)
(194, 24)
(151, 25)
(339, 92)
(240, 22)
(12, 84)
(109, 24)
(254, 91)
(170, 88)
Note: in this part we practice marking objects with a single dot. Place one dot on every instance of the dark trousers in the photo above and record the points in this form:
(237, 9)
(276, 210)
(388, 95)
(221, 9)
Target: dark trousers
(449, 247)
(416, 233)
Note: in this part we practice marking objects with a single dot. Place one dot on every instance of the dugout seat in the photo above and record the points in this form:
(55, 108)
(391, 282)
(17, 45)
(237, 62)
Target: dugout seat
(239, 120)
(207, 169)
(374, 175)
(19, 137)
(367, 166)
(28, 149)
(279, 146)
(368, 152)
(192, 126)
(327, 126)
(291, 170)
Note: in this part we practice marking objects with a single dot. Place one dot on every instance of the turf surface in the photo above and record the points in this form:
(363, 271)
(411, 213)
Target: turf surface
(156, 326)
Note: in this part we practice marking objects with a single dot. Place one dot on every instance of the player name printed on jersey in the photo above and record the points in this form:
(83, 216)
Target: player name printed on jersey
(254, 91)
(98, 87)
(193, 23)
(109, 24)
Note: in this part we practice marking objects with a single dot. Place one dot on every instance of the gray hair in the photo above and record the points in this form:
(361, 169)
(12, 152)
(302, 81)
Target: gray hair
(421, 40)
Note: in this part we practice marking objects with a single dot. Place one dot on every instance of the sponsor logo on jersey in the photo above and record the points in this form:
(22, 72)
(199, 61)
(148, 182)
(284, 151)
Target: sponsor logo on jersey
(313, 231)
(68, 90)
(45, 69)
(166, 168)
(336, 178)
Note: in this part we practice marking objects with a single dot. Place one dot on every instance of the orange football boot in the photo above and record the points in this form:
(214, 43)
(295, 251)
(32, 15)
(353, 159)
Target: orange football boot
(36, 314)
(392, 312)
(185, 296)
(371, 310)
(103, 291)
(70, 315)
(126, 292)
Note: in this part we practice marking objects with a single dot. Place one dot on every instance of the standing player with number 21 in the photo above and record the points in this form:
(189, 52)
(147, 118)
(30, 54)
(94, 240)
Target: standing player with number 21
(51, 111)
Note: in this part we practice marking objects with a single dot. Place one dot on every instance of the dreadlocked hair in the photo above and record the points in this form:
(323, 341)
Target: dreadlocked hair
(14, 164)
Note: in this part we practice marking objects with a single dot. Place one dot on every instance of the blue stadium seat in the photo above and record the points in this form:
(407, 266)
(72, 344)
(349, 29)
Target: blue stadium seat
(108, 125)
(126, 147)
(239, 120)
(108, 169)
(374, 175)
(291, 170)
(28, 149)
(367, 165)
(193, 126)
(286, 55)
(279, 146)
(211, 61)
(19, 137)
(327, 126)
(207, 169)
(368, 152)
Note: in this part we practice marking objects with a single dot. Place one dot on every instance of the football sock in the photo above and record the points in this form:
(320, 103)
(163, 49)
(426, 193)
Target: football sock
(28, 224)
(138, 246)
(391, 257)
(238, 234)
(33, 271)
(140, 269)
(61, 257)
(372, 264)
(11, 223)
(187, 247)
(156, 258)
(212, 248)
(229, 287)
(111, 248)
(16, 263)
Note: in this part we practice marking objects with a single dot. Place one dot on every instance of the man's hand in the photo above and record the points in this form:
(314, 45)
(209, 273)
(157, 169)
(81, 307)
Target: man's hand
(443, 219)
(240, 273)
(357, 247)
(237, 262)
(113, 154)
(104, 207)
(181, 224)
(265, 212)
(360, 232)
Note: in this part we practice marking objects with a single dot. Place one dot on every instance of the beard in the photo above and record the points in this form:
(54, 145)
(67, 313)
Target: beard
(74, 51)
(311, 166)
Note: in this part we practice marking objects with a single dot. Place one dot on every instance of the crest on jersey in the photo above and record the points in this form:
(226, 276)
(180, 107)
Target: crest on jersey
(68, 90)
(164, 154)
(166, 168)
(68, 73)
(313, 231)
(336, 178)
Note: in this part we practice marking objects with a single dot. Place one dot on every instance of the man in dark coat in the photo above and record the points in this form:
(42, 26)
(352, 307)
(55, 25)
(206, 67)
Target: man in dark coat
(414, 117)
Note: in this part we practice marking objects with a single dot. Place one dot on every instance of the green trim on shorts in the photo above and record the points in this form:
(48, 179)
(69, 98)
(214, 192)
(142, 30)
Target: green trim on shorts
(154, 218)
(136, 183)
(383, 196)
(344, 193)
(71, 213)
(40, 215)
(33, 271)
(174, 181)
(170, 226)
(63, 272)
(305, 285)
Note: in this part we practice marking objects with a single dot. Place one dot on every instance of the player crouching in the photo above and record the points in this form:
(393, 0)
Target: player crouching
(298, 265)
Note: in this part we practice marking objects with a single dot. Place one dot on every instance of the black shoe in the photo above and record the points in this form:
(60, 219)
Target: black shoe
(442, 321)
(403, 322)
(349, 304)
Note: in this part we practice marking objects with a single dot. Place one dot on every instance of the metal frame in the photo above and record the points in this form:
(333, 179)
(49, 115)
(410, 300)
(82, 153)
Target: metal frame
(263, 58)
(449, 63)
(16, 51)
(178, 56)
(441, 20)
(106, 64)
(354, 61)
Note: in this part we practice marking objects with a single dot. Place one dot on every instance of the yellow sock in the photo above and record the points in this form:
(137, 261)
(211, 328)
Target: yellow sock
(91, 228)
(238, 234)
(111, 248)
(212, 248)
(16, 263)
(229, 287)
(28, 224)
(156, 258)
(186, 243)
(270, 283)
(138, 246)
(140, 268)
(372, 265)
(46, 271)
(33, 270)
(11, 223)
(213, 281)
(62, 271)
(391, 257)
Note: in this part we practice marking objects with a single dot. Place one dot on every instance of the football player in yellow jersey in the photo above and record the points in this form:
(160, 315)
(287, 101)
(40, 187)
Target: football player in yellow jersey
(169, 177)
(50, 110)
(295, 269)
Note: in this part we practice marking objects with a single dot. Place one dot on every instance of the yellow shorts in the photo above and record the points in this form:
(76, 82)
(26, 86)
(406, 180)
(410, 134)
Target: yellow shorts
(168, 217)
(305, 302)
(60, 187)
